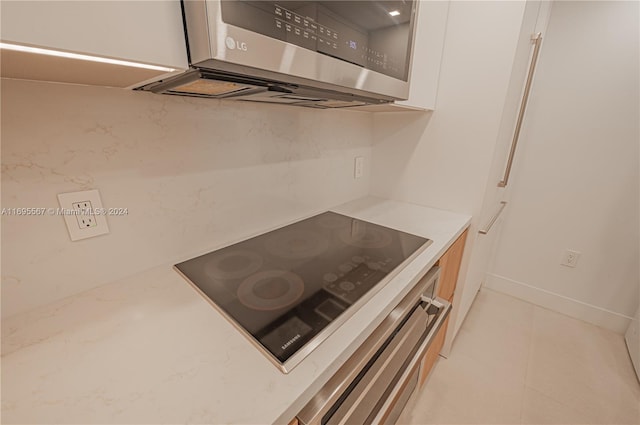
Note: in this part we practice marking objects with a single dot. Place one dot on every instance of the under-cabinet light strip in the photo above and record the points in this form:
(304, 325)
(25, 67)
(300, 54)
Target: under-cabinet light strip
(58, 53)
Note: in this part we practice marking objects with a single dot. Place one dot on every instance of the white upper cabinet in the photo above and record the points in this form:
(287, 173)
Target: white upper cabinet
(431, 25)
(144, 32)
(427, 55)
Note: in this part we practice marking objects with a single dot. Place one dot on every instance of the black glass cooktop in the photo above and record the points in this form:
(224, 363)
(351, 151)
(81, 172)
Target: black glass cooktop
(290, 288)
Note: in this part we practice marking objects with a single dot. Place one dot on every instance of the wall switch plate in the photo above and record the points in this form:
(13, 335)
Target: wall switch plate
(358, 167)
(570, 258)
(83, 213)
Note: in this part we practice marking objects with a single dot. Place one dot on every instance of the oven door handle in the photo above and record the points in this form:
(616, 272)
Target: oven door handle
(402, 385)
(437, 302)
(377, 397)
(358, 403)
(327, 400)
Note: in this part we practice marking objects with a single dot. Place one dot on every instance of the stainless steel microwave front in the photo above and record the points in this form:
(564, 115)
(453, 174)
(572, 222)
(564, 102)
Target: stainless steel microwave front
(218, 45)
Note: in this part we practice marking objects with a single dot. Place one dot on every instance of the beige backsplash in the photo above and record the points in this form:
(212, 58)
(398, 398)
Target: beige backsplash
(194, 174)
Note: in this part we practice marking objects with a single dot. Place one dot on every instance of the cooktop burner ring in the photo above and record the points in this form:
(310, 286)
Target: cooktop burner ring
(297, 244)
(270, 290)
(235, 264)
(367, 237)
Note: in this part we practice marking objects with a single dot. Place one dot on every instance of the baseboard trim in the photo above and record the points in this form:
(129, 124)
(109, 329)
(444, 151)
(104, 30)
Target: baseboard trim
(589, 313)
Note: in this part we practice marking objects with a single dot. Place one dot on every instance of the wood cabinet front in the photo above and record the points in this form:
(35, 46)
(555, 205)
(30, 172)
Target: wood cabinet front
(450, 267)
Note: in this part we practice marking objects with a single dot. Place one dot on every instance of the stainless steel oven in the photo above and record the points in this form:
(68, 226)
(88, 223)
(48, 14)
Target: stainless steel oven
(373, 386)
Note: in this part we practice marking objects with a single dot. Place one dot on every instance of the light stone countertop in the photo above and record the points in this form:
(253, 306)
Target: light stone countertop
(149, 350)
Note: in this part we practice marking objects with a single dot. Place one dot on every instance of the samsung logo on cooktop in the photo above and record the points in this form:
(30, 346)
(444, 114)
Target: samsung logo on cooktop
(291, 341)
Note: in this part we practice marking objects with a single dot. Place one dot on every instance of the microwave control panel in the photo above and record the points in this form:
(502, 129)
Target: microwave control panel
(364, 33)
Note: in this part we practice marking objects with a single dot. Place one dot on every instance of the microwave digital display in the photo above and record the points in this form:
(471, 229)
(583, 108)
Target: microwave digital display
(375, 35)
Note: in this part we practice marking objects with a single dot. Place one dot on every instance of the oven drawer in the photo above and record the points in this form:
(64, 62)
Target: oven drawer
(374, 385)
(362, 402)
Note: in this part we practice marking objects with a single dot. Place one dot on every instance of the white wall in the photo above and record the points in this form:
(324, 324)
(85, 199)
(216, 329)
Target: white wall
(194, 174)
(444, 159)
(576, 175)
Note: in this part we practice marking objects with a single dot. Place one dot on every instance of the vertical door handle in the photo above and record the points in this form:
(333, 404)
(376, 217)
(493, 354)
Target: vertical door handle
(536, 39)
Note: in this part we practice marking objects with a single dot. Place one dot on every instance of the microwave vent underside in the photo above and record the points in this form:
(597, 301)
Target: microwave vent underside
(211, 88)
(298, 100)
(247, 93)
(217, 85)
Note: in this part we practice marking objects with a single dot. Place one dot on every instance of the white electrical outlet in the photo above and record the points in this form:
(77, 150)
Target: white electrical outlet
(83, 213)
(358, 167)
(570, 258)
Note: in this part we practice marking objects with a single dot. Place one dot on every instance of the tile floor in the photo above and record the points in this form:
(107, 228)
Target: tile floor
(517, 363)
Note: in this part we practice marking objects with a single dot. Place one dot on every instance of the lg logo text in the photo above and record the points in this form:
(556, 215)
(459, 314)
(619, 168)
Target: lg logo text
(233, 44)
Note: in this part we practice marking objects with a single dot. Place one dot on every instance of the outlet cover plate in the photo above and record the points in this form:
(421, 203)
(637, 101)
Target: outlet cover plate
(358, 167)
(83, 214)
(570, 258)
